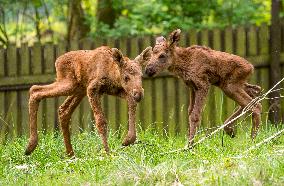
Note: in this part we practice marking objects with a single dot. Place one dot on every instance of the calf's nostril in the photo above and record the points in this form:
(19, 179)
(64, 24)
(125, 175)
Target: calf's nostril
(137, 96)
(149, 71)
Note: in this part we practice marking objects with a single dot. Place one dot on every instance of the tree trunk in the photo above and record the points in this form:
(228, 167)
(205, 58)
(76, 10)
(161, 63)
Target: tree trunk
(48, 20)
(275, 34)
(3, 39)
(77, 25)
(37, 20)
(106, 13)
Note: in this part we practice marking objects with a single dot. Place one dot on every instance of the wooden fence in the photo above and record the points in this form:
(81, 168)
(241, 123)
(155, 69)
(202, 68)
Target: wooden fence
(164, 106)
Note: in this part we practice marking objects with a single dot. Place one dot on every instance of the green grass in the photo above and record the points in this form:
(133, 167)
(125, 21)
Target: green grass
(146, 162)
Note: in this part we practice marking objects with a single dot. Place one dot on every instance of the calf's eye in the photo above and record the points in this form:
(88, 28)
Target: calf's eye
(126, 78)
(162, 56)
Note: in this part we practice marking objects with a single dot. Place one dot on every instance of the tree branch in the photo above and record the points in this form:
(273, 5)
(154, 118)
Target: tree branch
(3, 28)
(3, 41)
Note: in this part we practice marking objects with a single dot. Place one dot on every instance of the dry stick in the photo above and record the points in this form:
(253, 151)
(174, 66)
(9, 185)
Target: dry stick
(277, 134)
(281, 96)
(277, 89)
(4, 121)
(244, 111)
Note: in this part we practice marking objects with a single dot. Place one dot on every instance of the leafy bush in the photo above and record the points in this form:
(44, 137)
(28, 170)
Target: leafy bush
(142, 17)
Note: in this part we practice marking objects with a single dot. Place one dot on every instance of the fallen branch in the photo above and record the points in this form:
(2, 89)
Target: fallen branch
(244, 111)
(277, 134)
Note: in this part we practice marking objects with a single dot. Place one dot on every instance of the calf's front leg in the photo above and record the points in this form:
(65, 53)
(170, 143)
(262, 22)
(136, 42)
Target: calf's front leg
(101, 124)
(195, 114)
(131, 135)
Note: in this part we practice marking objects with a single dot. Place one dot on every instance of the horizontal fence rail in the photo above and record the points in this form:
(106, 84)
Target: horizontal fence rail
(164, 106)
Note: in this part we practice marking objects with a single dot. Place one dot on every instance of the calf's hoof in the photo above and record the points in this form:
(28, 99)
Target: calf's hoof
(31, 147)
(253, 136)
(190, 146)
(28, 152)
(70, 154)
(230, 132)
(128, 140)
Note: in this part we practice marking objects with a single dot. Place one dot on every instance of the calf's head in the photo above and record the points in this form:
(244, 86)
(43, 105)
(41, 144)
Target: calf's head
(163, 53)
(131, 72)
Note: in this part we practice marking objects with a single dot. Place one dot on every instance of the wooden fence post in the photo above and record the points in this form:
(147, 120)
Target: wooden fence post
(275, 40)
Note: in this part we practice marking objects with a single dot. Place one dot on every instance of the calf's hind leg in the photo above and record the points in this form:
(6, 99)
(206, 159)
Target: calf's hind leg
(229, 128)
(65, 112)
(238, 94)
(253, 91)
(38, 93)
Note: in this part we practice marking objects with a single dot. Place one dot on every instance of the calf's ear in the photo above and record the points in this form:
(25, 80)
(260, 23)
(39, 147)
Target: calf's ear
(160, 40)
(144, 57)
(174, 37)
(117, 57)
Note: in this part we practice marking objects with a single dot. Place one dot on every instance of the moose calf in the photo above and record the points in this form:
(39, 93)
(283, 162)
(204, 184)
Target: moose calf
(200, 67)
(92, 73)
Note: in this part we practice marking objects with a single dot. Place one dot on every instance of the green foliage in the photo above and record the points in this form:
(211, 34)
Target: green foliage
(148, 162)
(132, 17)
(139, 17)
(19, 19)
(241, 12)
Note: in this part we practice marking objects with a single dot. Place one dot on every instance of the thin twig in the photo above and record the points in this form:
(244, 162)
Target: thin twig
(281, 96)
(4, 121)
(244, 111)
(277, 134)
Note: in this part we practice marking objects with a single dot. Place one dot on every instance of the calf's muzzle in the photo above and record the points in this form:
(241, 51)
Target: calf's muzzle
(138, 95)
(150, 71)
